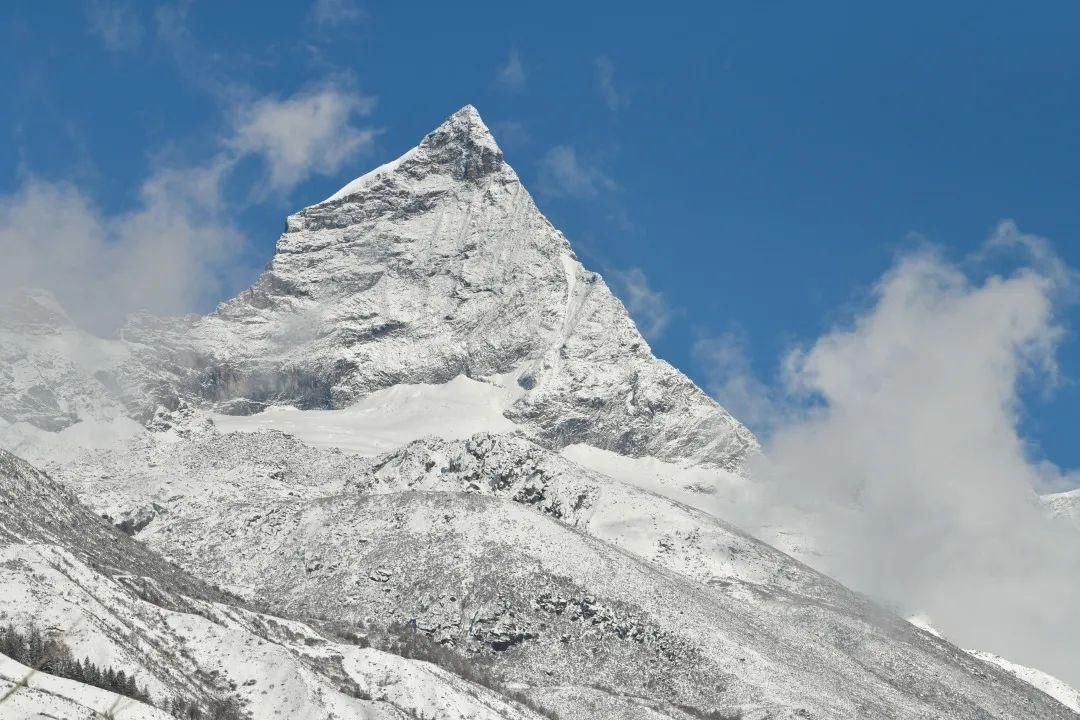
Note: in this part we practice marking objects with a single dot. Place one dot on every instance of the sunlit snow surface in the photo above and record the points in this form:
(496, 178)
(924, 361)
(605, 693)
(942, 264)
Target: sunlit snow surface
(46, 696)
(388, 419)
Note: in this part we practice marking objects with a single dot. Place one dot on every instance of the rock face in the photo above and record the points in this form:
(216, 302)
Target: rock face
(436, 265)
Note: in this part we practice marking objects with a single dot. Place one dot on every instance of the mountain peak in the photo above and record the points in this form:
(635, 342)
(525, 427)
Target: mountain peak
(466, 126)
(462, 147)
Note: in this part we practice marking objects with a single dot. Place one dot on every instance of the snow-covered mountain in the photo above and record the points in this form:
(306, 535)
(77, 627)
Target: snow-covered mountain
(435, 266)
(428, 426)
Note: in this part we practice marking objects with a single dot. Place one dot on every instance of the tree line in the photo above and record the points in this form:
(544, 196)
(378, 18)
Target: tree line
(50, 654)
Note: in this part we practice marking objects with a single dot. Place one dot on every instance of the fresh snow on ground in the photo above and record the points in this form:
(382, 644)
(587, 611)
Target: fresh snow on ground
(47, 696)
(694, 485)
(1047, 683)
(388, 419)
(1057, 689)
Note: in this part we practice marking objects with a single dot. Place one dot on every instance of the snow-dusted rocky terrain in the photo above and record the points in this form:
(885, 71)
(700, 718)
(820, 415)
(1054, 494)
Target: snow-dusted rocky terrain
(118, 603)
(426, 427)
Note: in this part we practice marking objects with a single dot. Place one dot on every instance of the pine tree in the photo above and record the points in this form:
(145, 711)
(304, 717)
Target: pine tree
(13, 644)
(35, 648)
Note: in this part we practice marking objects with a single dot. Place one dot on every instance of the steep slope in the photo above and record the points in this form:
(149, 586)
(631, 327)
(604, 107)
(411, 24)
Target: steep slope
(582, 590)
(44, 696)
(117, 603)
(1049, 684)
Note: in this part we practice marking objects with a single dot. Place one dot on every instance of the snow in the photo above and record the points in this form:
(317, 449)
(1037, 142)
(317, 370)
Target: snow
(695, 485)
(47, 696)
(1063, 505)
(368, 178)
(388, 419)
(923, 622)
(1047, 683)
(43, 447)
(1057, 689)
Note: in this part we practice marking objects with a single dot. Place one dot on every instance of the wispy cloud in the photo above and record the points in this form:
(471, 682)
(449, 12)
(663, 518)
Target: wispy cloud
(201, 67)
(511, 76)
(311, 132)
(117, 24)
(731, 380)
(511, 133)
(604, 68)
(331, 13)
(649, 307)
(564, 174)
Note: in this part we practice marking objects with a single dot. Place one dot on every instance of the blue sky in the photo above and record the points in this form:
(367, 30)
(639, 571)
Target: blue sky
(749, 170)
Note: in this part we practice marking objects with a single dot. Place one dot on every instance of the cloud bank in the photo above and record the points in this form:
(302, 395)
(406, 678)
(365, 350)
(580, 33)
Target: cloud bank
(904, 466)
(177, 249)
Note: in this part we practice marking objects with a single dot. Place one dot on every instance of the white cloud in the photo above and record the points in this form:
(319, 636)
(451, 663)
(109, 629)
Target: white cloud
(312, 132)
(907, 468)
(563, 174)
(170, 254)
(512, 74)
(178, 249)
(115, 23)
(604, 68)
(649, 308)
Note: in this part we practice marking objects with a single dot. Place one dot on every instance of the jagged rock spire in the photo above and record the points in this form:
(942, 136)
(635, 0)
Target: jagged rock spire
(464, 144)
(462, 147)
